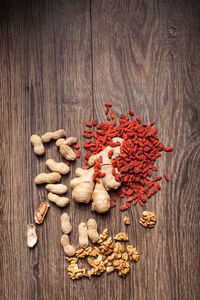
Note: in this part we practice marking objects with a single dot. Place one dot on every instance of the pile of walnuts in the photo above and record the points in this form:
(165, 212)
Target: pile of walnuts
(109, 256)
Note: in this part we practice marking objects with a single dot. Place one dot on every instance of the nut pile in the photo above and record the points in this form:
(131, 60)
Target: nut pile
(54, 188)
(109, 256)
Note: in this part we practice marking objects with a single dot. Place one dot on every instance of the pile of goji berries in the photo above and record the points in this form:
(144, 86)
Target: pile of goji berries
(135, 164)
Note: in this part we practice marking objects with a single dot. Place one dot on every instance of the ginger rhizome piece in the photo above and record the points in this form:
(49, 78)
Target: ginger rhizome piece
(95, 182)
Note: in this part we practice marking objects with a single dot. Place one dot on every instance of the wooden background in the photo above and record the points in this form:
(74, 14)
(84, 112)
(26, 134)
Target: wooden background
(60, 61)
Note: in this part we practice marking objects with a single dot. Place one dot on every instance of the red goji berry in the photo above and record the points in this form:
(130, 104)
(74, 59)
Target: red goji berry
(168, 149)
(138, 119)
(131, 113)
(88, 124)
(87, 135)
(78, 153)
(110, 153)
(76, 146)
(112, 114)
(94, 122)
(108, 104)
(157, 178)
(166, 177)
(114, 198)
(85, 168)
(123, 207)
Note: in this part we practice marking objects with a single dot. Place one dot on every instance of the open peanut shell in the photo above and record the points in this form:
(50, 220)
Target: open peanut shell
(41, 212)
(31, 235)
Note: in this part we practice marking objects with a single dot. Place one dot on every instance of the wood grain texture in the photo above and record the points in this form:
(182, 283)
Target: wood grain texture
(60, 61)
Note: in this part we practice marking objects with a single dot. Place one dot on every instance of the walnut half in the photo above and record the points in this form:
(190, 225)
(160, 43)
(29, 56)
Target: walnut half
(148, 219)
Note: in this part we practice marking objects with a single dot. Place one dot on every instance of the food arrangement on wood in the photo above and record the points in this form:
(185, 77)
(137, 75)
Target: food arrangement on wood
(119, 158)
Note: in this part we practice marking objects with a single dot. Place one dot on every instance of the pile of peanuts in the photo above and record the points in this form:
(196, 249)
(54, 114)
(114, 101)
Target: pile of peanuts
(54, 187)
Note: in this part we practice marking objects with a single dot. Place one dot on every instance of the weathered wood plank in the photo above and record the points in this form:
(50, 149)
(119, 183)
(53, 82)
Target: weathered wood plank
(45, 85)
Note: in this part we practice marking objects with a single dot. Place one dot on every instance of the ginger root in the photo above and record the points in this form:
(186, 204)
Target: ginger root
(104, 153)
(83, 185)
(85, 189)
